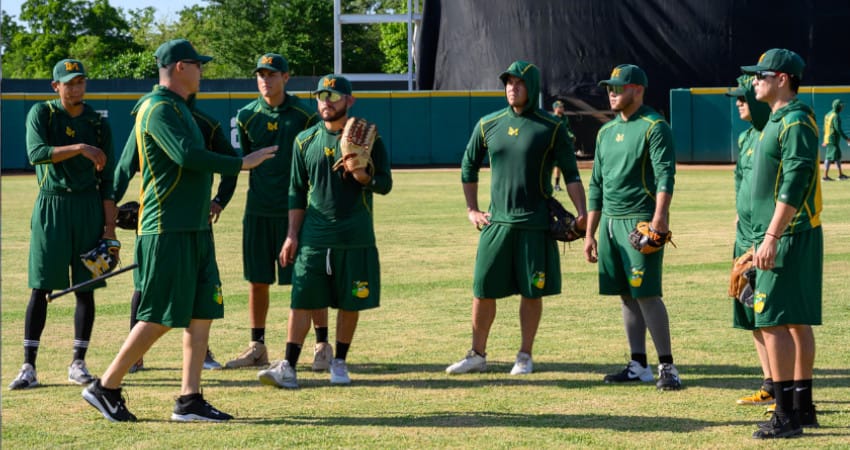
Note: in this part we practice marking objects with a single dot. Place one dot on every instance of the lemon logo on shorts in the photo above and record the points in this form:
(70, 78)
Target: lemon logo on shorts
(637, 277)
(538, 279)
(360, 289)
(758, 302)
(218, 297)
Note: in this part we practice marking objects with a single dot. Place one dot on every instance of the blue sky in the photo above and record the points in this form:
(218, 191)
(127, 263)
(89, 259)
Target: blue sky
(164, 8)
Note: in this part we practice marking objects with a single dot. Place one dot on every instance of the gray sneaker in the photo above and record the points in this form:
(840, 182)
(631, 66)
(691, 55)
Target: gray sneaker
(322, 356)
(473, 362)
(210, 363)
(26, 378)
(339, 372)
(280, 374)
(79, 373)
(523, 364)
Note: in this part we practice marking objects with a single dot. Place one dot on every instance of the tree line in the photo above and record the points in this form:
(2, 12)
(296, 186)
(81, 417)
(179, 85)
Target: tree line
(114, 43)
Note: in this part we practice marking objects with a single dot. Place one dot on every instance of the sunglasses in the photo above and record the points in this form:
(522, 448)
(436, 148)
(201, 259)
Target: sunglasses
(327, 96)
(763, 74)
(618, 89)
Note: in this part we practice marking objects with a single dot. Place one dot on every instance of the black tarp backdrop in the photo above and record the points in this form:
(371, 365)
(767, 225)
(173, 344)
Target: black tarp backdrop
(465, 44)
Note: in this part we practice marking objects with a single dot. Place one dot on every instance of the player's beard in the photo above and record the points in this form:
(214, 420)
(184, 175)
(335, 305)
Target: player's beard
(338, 114)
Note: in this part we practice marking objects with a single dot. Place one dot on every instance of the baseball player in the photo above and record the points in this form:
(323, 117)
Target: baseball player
(559, 111)
(128, 165)
(274, 118)
(632, 181)
(515, 255)
(177, 274)
(743, 317)
(786, 205)
(330, 244)
(832, 132)
(70, 145)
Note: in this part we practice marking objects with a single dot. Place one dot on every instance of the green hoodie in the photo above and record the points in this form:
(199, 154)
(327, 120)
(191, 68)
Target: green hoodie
(786, 169)
(832, 131)
(523, 149)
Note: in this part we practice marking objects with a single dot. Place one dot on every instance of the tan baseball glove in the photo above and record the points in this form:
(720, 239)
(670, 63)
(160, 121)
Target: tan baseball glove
(742, 278)
(647, 240)
(358, 136)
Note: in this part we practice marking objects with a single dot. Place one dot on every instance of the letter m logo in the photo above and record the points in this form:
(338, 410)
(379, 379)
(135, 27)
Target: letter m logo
(69, 66)
(329, 82)
(267, 60)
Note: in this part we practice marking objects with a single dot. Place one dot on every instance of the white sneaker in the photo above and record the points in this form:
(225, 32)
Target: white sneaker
(79, 373)
(634, 371)
(473, 362)
(279, 374)
(339, 372)
(322, 356)
(26, 378)
(523, 364)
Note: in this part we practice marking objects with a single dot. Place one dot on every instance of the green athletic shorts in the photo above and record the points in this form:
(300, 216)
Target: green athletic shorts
(790, 293)
(262, 239)
(622, 269)
(347, 279)
(516, 261)
(178, 277)
(62, 227)
(833, 152)
(743, 317)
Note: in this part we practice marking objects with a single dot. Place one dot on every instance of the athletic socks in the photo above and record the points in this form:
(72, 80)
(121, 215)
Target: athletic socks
(640, 358)
(342, 350)
(321, 334)
(767, 386)
(293, 352)
(803, 395)
(665, 359)
(784, 398)
(36, 317)
(83, 323)
(258, 335)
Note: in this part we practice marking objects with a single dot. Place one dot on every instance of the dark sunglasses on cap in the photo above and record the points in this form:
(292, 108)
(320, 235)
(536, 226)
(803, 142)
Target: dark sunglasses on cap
(327, 96)
(763, 74)
(618, 89)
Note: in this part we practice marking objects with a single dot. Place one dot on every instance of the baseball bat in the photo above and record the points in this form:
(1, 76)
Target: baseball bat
(52, 296)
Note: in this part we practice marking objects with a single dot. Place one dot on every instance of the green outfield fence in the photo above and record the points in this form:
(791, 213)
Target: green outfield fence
(431, 128)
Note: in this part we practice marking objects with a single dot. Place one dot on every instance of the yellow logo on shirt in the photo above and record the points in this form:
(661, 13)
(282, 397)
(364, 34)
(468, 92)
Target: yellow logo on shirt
(360, 289)
(513, 131)
(539, 280)
(329, 151)
(637, 277)
(70, 131)
(620, 137)
(271, 126)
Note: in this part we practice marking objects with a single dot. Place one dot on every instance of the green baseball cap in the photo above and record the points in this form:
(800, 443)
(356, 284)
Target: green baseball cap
(334, 83)
(557, 104)
(68, 69)
(778, 60)
(178, 50)
(517, 69)
(745, 83)
(273, 62)
(626, 74)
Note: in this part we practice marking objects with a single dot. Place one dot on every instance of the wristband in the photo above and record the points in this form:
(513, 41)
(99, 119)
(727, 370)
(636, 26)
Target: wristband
(772, 235)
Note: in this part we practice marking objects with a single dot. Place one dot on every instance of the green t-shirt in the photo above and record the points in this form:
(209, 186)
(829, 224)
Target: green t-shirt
(634, 160)
(523, 149)
(176, 166)
(786, 169)
(747, 141)
(338, 210)
(261, 125)
(49, 125)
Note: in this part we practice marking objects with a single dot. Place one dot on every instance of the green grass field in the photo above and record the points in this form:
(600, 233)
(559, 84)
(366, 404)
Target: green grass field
(401, 396)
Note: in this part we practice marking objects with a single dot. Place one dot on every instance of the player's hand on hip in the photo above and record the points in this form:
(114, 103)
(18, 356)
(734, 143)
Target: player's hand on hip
(287, 252)
(765, 256)
(590, 252)
(215, 212)
(94, 154)
(256, 158)
(478, 218)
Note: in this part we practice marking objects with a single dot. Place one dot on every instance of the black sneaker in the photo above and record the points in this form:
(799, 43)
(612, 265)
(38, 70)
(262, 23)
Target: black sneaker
(668, 378)
(808, 417)
(196, 408)
(634, 371)
(109, 402)
(779, 427)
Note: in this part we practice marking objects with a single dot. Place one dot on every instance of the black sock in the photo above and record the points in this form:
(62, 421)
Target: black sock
(321, 334)
(134, 308)
(83, 323)
(342, 350)
(293, 352)
(640, 358)
(36, 317)
(188, 398)
(785, 399)
(768, 387)
(258, 335)
(665, 359)
(802, 395)
(557, 181)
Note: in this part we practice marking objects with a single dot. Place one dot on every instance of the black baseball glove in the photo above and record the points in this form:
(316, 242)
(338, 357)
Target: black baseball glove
(562, 223)
(128, 216)
(103, 258)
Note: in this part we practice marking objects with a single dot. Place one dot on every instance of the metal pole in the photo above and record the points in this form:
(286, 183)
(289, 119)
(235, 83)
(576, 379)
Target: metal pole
(337, 37)
(410, 44)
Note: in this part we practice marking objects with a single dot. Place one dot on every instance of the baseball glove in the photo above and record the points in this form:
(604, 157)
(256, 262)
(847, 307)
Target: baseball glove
(103, 258)
(128, 216)
(647, 240)
(358, 136)
(743, 279)
(562, 225)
